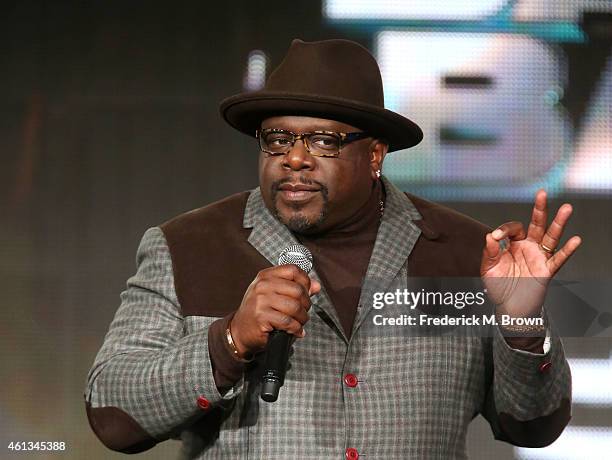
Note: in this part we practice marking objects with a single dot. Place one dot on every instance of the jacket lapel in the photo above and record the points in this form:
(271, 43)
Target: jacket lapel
(270, 237)
(396, 237)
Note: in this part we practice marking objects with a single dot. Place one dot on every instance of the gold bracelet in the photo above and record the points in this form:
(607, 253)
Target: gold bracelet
(232, 344)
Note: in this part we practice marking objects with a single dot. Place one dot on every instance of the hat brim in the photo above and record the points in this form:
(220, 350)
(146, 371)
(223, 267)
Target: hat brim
(246, 111)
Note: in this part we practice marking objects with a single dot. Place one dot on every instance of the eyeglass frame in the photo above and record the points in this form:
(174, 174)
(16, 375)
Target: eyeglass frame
(345, 139)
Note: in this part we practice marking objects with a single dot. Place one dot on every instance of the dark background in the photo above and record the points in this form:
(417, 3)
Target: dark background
(109, 125)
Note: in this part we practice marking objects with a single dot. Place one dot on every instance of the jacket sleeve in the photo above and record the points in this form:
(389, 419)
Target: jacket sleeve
(528, 402)
(153, 373)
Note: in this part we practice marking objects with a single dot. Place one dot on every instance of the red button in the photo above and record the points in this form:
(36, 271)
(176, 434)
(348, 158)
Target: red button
(351, 381)
(351, 454)
(545, 367)
(203, 403)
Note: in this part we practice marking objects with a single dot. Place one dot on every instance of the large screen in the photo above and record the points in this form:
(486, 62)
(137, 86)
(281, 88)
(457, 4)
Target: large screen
(512, 95)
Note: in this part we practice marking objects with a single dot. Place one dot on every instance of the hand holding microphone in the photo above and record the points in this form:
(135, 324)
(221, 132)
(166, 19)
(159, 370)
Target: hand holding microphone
(278, 299)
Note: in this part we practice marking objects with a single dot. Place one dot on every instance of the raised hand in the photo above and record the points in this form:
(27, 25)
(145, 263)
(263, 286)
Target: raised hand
(517, 266)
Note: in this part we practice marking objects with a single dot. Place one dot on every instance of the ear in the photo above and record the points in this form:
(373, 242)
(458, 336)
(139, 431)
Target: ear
(378, 150)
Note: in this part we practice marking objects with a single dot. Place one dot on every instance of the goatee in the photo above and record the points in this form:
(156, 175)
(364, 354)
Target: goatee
(298, 222)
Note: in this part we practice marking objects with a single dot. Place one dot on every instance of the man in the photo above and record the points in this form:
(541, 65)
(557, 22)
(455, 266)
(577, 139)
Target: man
(183, 356)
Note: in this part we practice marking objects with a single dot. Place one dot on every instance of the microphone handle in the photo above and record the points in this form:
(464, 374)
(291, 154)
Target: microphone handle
(277, 358)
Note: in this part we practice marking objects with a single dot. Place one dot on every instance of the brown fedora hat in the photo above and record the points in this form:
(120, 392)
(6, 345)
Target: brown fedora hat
(333, 79)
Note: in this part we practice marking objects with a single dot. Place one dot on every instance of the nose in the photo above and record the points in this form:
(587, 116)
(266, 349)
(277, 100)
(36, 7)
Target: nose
(298, 158)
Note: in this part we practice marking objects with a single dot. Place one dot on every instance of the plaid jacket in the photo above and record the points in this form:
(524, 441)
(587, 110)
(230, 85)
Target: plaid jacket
(413, 397)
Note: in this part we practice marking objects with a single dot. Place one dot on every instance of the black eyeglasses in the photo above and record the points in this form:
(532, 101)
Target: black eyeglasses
(318, 143)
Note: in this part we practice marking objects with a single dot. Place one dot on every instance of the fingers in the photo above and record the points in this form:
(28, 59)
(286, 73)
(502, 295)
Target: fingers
(563, 254)
(285, 288)
(553, 234)
(275, 311)
(288, 272)
(282, 322)
(286, 305)
(513, 230)
(539, 217)
(287, 296)
(491, 253)
(293, 275)
(315, 287)
(538, 231)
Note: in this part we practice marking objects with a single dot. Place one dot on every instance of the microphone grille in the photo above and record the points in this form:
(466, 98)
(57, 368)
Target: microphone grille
(296, 254)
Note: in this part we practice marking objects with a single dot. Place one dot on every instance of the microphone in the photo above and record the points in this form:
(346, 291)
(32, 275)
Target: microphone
(279, 342)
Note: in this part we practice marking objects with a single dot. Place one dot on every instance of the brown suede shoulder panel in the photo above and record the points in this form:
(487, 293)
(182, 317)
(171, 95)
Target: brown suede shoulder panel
(213, 262)
(450, 244)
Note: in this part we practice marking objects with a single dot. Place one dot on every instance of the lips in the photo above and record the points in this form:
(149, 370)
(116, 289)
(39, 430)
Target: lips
(299, 188)
(297, 192)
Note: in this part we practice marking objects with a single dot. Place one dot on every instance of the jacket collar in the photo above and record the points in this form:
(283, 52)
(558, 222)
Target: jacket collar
(397, 235)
